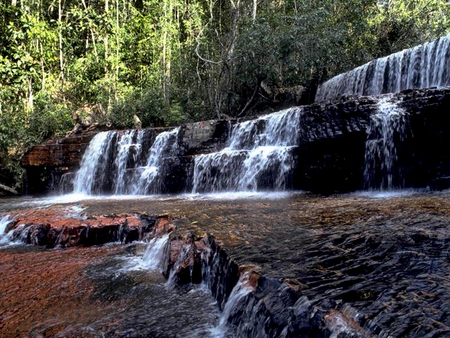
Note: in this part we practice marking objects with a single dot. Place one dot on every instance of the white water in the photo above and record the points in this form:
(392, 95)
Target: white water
(165, 144)
(423, 66)
(113, 161)
(4, 222)
(124, 145)
(92, 162)
(387, 128)
(239, 292)
(154, 255)
(6, 238)
(259, 155)
(152, 258)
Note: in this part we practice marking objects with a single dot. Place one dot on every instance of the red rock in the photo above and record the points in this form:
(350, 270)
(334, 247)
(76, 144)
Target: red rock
(56, 225)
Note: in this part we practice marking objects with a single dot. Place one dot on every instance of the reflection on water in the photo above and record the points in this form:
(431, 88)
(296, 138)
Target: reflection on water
(86, 292)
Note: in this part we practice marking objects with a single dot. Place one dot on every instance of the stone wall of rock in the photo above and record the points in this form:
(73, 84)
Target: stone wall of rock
(46, 164)
(330, 156)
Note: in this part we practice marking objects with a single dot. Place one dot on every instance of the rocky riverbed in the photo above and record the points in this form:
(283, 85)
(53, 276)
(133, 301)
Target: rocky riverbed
(356, 264)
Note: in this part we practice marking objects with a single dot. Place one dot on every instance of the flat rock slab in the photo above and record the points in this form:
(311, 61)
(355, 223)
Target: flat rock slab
(383, 261)
(45, 292)
(68, 226)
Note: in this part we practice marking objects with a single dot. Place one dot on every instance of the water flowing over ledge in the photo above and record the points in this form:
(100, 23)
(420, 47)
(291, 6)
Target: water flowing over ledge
(259, 156)
(388, 128)
(423, 66)
(387, 142)
(5, 237)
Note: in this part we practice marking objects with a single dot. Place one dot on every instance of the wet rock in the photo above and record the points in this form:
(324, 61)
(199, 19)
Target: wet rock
(330, 155)
(55, 226)
(204, 137)
(46, 163)
(439, 184)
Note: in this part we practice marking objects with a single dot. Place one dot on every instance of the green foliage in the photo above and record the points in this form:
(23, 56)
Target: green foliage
(401, 24)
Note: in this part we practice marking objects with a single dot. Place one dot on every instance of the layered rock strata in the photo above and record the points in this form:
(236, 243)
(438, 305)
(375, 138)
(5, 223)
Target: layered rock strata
(330, 156)
(67, 227)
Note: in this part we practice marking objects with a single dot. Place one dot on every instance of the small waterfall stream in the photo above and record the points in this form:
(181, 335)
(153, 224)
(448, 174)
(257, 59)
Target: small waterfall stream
(93, 164)
(146, 181)
(117, 162)
(387, 129)
(259, 156)
(153, 258)
(154, 254)
(5, 237)
(126, 147)
(4, 222)
(423, 66)
(240, 291)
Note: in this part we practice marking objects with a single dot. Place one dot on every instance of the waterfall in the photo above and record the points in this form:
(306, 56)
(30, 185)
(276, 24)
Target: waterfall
(4, 222)
(117, 162)
(387, 128)
(154, 254)
(5, 238)
(238, 294)
(259, 156)
(423, 66)
(152, 259)
(93, 164)
(125, 146)
(147, 181)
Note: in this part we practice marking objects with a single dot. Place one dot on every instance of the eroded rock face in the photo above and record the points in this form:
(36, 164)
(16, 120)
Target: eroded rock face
(67, 227)
(205, 136)
(253, 305)
(46, 163)
(330, 156)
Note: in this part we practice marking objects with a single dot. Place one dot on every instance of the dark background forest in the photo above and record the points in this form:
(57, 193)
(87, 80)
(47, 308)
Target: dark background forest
(173, 61)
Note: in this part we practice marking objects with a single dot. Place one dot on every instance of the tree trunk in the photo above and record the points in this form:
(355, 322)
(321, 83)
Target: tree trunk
(8, 189)
(61, 56)
(117, 50)
(108, 108)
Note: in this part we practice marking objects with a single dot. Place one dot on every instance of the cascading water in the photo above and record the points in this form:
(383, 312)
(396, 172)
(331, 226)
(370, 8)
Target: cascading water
(117, 162)
(259, 156)
(238, 294)
(387, 128)
(93, 164)
(125, 146)
(5, 238)
(147, 181)
(154, 254)
(423, 66)
(4, 222)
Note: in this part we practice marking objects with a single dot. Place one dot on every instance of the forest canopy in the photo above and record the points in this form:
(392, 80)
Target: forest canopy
(174, 61)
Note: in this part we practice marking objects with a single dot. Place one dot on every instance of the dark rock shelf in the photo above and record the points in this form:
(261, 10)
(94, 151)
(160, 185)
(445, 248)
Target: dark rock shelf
(330, 153)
